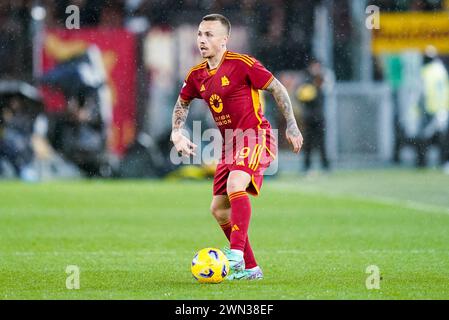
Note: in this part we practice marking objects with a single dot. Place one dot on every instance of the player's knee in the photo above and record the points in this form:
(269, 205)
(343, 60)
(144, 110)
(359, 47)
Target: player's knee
(214, 209)
(219, 213)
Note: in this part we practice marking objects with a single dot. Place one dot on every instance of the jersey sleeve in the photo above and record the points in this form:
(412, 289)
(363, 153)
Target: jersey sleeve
(259, 76)
(188, 90)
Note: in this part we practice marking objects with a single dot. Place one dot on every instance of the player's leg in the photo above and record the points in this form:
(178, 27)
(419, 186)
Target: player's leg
(221, 210)
(237, 183)
(421, 150)
(251, 149)
(307, 146)
(321, 144)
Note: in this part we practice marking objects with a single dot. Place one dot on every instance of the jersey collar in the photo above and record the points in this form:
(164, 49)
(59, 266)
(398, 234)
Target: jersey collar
(213, 71)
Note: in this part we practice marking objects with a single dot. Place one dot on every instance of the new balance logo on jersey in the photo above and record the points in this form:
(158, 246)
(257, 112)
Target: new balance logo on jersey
(224, 81)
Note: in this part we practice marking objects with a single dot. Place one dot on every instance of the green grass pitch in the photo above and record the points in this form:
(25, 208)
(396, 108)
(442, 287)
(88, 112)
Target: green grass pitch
(313, 237)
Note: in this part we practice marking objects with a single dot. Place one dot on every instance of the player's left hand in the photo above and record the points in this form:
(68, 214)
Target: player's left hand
(294, 137)
(182, 144)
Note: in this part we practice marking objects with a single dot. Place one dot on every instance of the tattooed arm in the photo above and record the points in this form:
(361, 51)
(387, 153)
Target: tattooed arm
(284, 104)
(179, 117)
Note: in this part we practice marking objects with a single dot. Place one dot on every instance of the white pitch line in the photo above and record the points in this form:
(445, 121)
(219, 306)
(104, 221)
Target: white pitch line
(408, 204)
(420, 206)
(92, 253)
(368, 251)
(291, 251)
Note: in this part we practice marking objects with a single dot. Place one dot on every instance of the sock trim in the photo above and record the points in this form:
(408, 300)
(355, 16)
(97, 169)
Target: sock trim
(227, 224)
(237, 195)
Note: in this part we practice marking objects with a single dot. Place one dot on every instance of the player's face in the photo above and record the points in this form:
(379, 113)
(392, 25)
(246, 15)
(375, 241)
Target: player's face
(315, 68)
(212, 38)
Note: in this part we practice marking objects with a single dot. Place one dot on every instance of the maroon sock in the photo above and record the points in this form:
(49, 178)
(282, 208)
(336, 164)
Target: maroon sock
(250, 260)
(226, 227)
(240, 216)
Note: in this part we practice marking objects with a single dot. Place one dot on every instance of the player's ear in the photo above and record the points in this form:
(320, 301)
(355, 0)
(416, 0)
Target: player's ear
(225, 41)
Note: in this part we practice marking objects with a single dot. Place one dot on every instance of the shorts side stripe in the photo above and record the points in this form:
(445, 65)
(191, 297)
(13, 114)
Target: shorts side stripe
(252, 165)
(253, 156)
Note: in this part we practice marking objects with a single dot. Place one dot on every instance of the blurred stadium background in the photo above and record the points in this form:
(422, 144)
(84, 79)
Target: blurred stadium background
(97, 101)
(133, 56)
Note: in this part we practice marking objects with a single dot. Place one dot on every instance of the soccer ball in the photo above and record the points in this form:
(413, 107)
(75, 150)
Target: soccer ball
(210, 265)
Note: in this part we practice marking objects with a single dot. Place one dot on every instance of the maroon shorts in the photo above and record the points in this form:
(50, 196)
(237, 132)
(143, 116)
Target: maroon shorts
(253, 154)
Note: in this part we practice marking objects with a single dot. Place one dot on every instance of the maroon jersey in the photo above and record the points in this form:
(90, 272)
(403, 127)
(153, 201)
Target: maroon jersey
(231, 91)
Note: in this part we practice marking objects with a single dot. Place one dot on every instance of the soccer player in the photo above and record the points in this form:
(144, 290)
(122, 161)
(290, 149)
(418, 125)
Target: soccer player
(229, 83)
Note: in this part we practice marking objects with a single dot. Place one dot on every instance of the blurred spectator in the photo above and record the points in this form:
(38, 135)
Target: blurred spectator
(19, 108)
(310, 95)
(394, 75)
(434, 106)
(282, 40)
(112, 15)
(343, 34)
(445, 150)
(80, 132)
(425, 5)
(15, 40)
(410, 5)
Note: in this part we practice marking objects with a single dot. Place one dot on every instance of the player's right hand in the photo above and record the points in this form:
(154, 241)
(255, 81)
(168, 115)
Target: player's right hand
(183, 145)
(294, 137)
